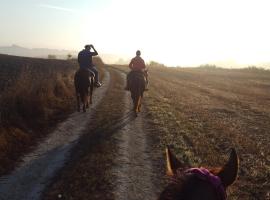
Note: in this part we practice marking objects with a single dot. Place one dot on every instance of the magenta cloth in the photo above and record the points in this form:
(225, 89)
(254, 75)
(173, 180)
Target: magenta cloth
(211, 178)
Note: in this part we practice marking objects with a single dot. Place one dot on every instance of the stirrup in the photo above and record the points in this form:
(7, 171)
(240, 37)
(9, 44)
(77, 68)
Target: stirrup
(97, 84)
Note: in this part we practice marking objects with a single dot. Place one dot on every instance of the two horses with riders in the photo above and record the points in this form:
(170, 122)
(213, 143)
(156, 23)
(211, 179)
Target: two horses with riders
(87, 77)
(187, 183)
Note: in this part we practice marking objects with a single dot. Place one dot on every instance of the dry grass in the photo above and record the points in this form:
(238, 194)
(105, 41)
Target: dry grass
(203, 112)
(35, 95)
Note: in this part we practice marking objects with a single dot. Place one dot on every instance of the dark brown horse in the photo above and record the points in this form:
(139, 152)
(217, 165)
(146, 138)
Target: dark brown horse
(137, 87)
(84, 85)
(198, 183)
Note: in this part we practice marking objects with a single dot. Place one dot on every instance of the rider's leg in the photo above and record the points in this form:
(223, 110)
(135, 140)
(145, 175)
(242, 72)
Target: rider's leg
(93, 69)
(97, 83)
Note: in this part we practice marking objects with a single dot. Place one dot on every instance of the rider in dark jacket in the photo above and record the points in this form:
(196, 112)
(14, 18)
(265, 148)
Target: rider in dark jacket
(85, 61)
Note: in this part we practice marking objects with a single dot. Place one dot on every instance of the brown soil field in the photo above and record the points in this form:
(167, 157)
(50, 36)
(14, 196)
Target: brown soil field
(35, 94)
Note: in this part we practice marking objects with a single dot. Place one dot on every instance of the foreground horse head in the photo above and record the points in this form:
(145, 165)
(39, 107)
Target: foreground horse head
(198, 183)
(137, 87)
(84, 85)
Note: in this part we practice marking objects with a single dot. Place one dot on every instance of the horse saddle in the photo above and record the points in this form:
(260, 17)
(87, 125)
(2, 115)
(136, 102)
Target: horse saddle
(85, 72)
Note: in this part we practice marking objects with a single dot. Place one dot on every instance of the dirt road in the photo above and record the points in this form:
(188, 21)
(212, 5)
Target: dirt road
(117, 158)
(133, 166)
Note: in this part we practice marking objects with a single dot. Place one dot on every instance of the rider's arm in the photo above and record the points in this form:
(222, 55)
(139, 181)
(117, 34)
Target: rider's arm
(79, 58)
(95, 53)
(144, 66)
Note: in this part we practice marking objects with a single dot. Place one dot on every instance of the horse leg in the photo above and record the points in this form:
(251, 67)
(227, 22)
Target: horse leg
(84, 107)
(87, 100)
(85, 96)
(140, 104)
(133, 97)
(91, 90)
(136, 103)
(90, 99)
(78, 102)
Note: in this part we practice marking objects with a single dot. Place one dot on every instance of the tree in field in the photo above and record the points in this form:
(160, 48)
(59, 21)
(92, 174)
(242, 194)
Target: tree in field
(51, 56)
(69, 56)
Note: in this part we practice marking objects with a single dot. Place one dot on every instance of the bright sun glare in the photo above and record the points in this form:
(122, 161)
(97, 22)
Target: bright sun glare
(173, 32)
(185, 32)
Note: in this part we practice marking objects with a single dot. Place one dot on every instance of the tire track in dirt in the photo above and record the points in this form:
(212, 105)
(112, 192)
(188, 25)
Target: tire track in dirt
(37, 168)
(134, 172)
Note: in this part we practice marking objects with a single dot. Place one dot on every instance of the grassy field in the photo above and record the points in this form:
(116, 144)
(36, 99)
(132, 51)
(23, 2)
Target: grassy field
(203, 112)
(35, 94)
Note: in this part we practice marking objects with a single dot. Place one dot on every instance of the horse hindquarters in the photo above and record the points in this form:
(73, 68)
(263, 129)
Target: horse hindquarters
(81, 82)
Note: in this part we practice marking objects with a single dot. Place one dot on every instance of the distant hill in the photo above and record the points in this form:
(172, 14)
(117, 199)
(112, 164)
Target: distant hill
(60, 54)
(114, 59)
(36, 52)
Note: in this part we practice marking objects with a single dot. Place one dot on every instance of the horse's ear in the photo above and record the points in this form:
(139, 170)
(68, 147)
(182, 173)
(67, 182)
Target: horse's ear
(228, 173)
(172, 162)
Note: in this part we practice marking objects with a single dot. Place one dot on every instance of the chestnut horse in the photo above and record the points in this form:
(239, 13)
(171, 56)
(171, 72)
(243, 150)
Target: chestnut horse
(198, 183)
(137, 87)
(84, 85)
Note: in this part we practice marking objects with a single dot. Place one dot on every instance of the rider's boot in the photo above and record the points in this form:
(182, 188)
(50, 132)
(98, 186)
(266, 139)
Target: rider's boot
(97, 84)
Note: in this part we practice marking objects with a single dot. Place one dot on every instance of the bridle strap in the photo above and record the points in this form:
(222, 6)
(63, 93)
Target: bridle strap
(214, 180)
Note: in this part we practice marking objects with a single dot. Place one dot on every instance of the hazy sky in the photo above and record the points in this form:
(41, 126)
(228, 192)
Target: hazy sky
(174, 32)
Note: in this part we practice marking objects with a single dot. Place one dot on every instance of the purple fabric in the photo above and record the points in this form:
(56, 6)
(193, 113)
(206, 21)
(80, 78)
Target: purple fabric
(211, 178)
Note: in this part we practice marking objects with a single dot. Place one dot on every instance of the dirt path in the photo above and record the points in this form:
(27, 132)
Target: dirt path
(29, 179)
(118, 158)
(135, 175)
